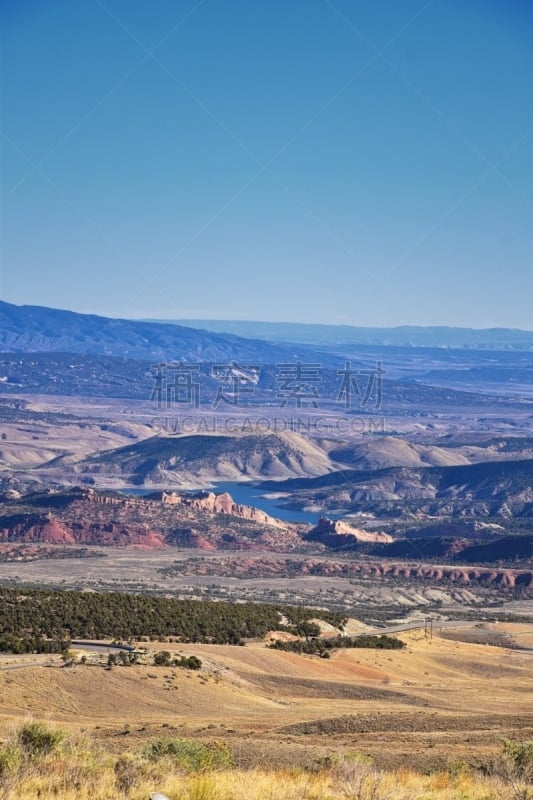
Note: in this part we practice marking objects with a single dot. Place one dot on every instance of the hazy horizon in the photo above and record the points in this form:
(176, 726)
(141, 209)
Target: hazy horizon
(196, 322)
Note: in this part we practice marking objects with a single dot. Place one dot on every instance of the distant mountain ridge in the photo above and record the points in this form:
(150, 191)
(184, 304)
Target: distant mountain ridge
(38, 329)
(439, 336)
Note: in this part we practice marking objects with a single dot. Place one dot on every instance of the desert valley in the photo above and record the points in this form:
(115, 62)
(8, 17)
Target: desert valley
(392, 544)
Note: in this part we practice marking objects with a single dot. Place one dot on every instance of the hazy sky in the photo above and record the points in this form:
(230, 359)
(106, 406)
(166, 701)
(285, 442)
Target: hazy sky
(307, 160)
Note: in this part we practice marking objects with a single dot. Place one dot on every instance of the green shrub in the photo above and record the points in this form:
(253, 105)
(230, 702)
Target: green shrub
(457, 768)
(190, 662)
(307, 629)
(517, 760)
(38, 740)
(190, 756)
(520, 755)
(162, 659)
(10, 759)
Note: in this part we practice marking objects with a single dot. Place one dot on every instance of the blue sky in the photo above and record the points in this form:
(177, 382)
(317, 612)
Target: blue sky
(332, 161)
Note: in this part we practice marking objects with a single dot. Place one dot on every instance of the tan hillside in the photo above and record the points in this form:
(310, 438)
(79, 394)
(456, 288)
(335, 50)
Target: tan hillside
(35, 444)
(199, 459)
(391, 451)
(431, 701)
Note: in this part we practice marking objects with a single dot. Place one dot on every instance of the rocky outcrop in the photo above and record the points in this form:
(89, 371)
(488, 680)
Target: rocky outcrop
(116, 535)
(222, 503)
(85, 516)
(213, 503)
(188, 537)
(33, 528)
(339, 534)
(47, 529)
(263, 568)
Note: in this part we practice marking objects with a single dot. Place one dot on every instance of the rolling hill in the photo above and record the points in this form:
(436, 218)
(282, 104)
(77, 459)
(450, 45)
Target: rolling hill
(391, 451)
(490, 489)
(200, 459)
(505, 550)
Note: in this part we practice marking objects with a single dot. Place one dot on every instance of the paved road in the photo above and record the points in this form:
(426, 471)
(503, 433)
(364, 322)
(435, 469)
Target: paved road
(99, 647)
(437, 624)
(413, 626)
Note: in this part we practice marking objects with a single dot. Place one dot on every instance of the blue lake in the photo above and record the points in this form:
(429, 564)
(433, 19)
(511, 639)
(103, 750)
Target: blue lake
(248, 494)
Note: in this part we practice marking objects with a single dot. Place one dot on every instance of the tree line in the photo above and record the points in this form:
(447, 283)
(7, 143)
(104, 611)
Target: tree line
(33, 620)
(322, 647)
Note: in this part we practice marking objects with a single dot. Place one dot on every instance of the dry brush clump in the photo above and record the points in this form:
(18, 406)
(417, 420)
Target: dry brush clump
(39, 762)
(513, 767)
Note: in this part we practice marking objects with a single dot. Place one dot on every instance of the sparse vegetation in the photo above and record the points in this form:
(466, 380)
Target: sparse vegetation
(190, 756)
(517, 768)
(193, 770)
(162, 659)
(36, 739)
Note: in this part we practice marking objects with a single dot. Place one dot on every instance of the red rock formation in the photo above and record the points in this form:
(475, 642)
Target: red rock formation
(50, 530)
(336, 533)
(281, 567)
(38, 529)
(222, 503)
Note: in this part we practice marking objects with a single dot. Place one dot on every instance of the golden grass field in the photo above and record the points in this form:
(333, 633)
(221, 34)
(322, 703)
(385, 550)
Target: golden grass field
(94, 777)
(417, 713)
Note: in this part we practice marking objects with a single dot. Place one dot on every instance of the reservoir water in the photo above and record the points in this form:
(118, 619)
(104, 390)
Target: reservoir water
(248, 494)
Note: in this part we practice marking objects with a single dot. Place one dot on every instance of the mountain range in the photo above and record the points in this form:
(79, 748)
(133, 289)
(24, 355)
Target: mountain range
(29, 328)
(439, 336)
(37, 329)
